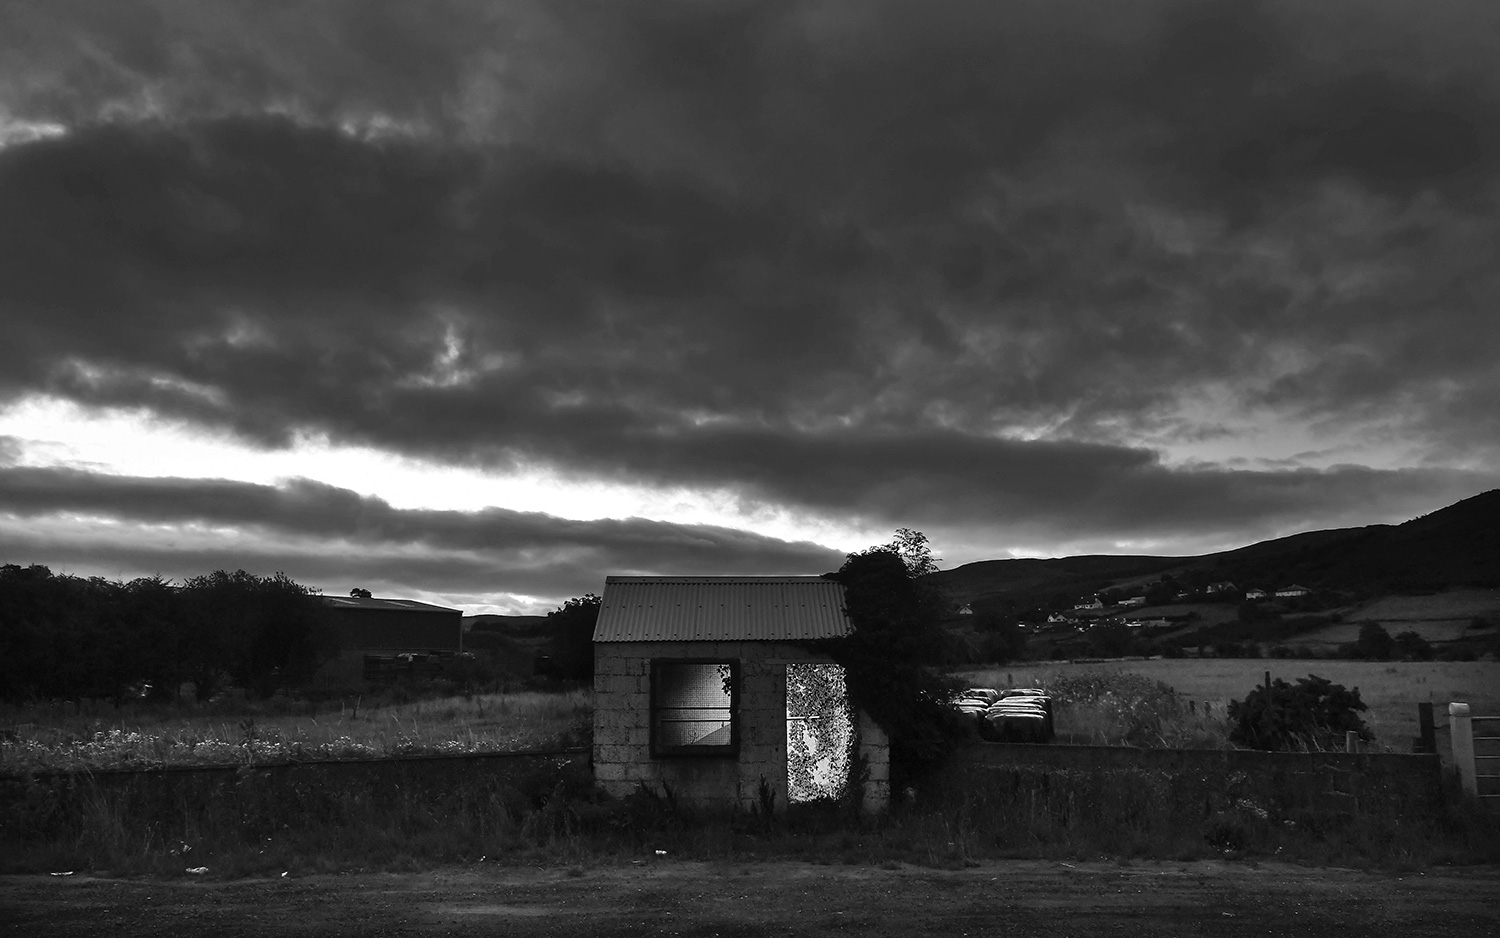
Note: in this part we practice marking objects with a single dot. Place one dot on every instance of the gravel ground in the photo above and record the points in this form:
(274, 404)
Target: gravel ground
(1035, 899)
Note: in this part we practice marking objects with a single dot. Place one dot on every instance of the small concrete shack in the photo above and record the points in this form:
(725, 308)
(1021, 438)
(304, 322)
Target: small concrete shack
(705, 686)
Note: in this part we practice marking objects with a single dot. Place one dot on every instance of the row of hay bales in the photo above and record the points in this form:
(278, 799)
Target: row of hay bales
(1018, 715)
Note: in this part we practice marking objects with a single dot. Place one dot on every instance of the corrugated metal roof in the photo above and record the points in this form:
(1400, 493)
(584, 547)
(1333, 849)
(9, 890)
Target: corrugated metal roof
(403, 605)
(720, 609)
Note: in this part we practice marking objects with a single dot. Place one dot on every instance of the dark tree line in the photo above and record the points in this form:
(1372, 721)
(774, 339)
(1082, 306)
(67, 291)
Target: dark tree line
(68, 637)
(572, 644)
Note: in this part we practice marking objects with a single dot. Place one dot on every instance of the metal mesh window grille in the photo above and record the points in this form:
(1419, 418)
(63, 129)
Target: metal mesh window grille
(692, 706)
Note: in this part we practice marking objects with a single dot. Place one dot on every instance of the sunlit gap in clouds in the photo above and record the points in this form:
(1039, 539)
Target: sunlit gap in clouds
(14, 132)
(94, 544)
(57, 433)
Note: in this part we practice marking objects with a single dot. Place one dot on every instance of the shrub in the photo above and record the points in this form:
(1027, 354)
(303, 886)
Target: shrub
(572, 637)
(891, 657)
(1374, 643)
(1312, 714)
(1413, 647)
(1000, 639)
(1458, 654)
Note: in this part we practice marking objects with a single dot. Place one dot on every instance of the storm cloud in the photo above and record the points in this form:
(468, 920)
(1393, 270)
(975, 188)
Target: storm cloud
(1014, 270)
(323, 533)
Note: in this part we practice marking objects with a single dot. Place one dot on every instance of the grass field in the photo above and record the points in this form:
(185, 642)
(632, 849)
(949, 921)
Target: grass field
(1442, 617)
(1456, 604)
(96, 735)
(1391, 690)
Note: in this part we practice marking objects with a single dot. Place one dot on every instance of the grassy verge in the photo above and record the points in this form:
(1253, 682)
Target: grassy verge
(546, 811)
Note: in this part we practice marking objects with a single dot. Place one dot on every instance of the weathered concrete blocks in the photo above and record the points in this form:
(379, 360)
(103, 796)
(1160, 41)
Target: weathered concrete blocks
(622, 726)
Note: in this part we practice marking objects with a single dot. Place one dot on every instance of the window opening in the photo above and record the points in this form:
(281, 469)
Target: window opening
(693, 707)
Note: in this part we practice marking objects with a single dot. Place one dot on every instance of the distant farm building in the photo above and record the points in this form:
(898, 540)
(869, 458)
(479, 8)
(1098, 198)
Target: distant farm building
(1293, 591)
(704, 686)
(390, 638)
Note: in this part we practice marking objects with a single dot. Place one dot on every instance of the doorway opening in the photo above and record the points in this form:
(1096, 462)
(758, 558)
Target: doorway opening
(819, 732)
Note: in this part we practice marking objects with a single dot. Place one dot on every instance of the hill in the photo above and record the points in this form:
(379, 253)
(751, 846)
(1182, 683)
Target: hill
(1030, 582)
(1454, 547)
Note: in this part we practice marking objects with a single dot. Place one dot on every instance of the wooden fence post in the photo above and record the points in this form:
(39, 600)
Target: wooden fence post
(1461, 729)
(1427, 741)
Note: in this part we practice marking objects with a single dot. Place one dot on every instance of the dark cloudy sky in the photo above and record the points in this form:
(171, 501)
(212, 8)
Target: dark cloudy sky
(478, 301)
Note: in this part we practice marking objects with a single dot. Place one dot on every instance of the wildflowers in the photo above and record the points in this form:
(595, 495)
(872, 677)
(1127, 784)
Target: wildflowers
(496, 723)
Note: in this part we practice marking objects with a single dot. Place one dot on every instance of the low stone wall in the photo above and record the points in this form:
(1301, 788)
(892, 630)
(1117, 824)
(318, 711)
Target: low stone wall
(268, 797)
(1200, 783)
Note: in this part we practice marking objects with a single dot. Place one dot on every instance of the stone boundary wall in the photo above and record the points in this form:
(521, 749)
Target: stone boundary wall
(434, 763)
(284, 793)
(1193, 780)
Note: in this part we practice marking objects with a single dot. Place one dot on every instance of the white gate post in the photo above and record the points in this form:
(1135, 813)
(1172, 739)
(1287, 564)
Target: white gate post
(1461, 734)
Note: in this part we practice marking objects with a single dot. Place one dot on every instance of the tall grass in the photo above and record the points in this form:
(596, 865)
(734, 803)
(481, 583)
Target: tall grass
(68, 737)
(266, 822)
(248, 821)
(1027, 811)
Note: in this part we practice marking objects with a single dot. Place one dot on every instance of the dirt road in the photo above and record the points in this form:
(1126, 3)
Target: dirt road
(1036, 899)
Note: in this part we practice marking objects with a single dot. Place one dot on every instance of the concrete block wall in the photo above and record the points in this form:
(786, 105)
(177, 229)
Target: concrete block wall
(622, 726)
(875, 754)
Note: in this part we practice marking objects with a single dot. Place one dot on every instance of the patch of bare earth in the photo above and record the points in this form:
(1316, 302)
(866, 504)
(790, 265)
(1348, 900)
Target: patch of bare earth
(1041, 899)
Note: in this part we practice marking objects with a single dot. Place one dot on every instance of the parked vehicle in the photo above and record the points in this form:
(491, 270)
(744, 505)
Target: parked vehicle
(1021, 714)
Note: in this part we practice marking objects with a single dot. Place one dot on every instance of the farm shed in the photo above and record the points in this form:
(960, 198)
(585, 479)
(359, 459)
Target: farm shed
(705, 686)
(394, 626)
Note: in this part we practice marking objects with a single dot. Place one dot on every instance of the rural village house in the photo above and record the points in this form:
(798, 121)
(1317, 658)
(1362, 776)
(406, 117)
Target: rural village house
(704, 686)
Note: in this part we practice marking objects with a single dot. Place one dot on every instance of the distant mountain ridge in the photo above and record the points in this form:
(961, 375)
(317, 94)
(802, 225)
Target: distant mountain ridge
(1456, 546)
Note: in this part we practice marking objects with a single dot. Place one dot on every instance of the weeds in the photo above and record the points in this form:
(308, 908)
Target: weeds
(1109, 708)
(52, 739)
